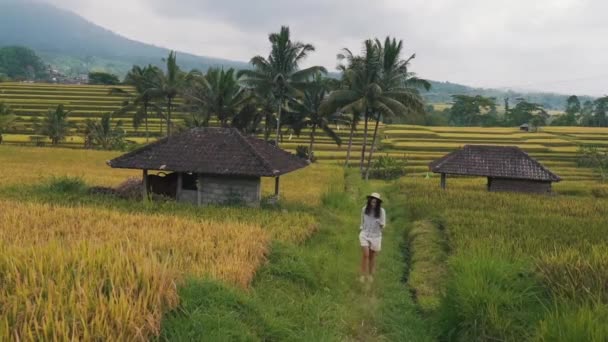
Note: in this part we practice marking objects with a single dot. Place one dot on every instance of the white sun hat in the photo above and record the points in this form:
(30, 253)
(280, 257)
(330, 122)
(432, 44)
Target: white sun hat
(376, 196)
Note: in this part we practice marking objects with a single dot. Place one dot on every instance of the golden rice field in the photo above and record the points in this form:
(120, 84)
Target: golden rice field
(81, 273)
(101, 271)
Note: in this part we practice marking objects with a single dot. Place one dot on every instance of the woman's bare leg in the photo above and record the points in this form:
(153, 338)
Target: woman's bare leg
(372, 262)
(364, 260)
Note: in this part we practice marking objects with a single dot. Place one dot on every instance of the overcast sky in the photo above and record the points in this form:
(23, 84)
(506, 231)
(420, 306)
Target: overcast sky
(552, 45)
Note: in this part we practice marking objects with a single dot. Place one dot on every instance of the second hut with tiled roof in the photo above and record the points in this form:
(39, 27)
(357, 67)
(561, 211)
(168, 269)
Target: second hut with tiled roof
(507, 168)
(210, 166)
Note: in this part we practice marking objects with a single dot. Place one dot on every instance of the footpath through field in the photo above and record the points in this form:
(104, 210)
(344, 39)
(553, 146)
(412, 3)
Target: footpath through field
(311, 292)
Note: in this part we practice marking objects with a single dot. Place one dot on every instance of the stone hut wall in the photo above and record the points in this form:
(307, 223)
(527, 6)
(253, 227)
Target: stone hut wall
(519, 185)
(223, 190)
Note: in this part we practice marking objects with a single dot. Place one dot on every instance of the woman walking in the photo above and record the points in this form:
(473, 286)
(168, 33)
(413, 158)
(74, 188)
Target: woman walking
(373, 221)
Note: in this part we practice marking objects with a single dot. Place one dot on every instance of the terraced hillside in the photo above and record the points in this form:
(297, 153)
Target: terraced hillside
(31, 101)
(554, 146)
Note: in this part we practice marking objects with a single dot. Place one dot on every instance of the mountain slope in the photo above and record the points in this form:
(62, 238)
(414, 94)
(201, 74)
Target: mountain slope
(62, 37)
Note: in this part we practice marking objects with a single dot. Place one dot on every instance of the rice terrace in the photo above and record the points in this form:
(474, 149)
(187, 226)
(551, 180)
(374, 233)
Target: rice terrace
(165, 200)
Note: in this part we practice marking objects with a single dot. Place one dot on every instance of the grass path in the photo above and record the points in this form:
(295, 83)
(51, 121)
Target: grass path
(310, 292)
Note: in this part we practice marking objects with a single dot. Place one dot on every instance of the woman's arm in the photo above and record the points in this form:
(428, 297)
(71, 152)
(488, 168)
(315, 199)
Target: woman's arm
(362, 218)
(382, 218)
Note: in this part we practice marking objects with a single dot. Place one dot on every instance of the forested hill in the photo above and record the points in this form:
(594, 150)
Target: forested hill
(75, 45)
(441, 92)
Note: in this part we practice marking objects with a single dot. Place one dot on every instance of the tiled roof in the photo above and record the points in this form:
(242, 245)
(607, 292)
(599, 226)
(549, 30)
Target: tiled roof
(493, 161)
(216, 151)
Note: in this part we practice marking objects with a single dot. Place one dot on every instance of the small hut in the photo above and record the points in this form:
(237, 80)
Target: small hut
(209, 166)
(525, 127)
(507, 168)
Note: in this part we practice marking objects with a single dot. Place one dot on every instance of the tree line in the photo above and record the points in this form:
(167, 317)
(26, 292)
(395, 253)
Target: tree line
(477, 110)
(276, 96)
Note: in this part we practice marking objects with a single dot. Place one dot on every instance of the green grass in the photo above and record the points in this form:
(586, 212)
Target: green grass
(428, 252)
(310, 292)
(521, 267)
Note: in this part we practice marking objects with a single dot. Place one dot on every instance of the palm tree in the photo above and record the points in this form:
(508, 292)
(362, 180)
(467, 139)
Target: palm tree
(354, 120)
(376, 85)
(7, 119)
(168, 85)
(279, 77)
(142, 79)
(399, 85)
(102, 133)
(361, 92)
(217, 93)
(55, 125)
(308, 111)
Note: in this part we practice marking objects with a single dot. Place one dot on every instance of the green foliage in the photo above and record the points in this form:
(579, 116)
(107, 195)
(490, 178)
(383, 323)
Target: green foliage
(304, 153)
(102, 134)
(473, 111)
(7, 119)
(387, 168)
(103, 78)
(594, 157)
(306, 111)
(216, 94)
(279, 77)
(65, 185)
(56, 125)
(575, 323)
(527, 113)
(144, 97)
(20, 63)
(489, 298)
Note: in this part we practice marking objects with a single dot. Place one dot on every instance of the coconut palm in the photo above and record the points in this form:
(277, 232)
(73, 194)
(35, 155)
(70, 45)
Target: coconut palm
(361, 92)
(399, 85)
(55, 125)
(104, 133)
(142, 100)
(217, 93)
(279, 77)
(307, 110)
(376, 85)
(168, 85)
(7, 119)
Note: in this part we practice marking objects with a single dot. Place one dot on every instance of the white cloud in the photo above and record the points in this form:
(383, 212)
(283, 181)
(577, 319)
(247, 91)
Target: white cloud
(554, 45)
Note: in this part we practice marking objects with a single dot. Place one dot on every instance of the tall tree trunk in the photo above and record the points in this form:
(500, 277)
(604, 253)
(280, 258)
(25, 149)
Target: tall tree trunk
(364, 147)
(371, 150)
(146, 121)
(312, 142)
(161, 125)
(353, 125)
(169, 102)
(267, 128)
(276, 141)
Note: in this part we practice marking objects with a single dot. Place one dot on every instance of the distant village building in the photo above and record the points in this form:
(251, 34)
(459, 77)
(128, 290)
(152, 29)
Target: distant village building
(507, 168)
(524, 128)
(210, 166)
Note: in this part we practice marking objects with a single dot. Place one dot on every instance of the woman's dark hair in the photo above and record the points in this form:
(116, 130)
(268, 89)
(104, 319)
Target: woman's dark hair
(368, 208)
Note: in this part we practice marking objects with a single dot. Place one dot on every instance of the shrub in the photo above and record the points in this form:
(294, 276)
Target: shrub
(586, 323)
(576, 274)
(388, 168)
(304, 153)
(65, 184)
(489, 298)
(600, 192)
